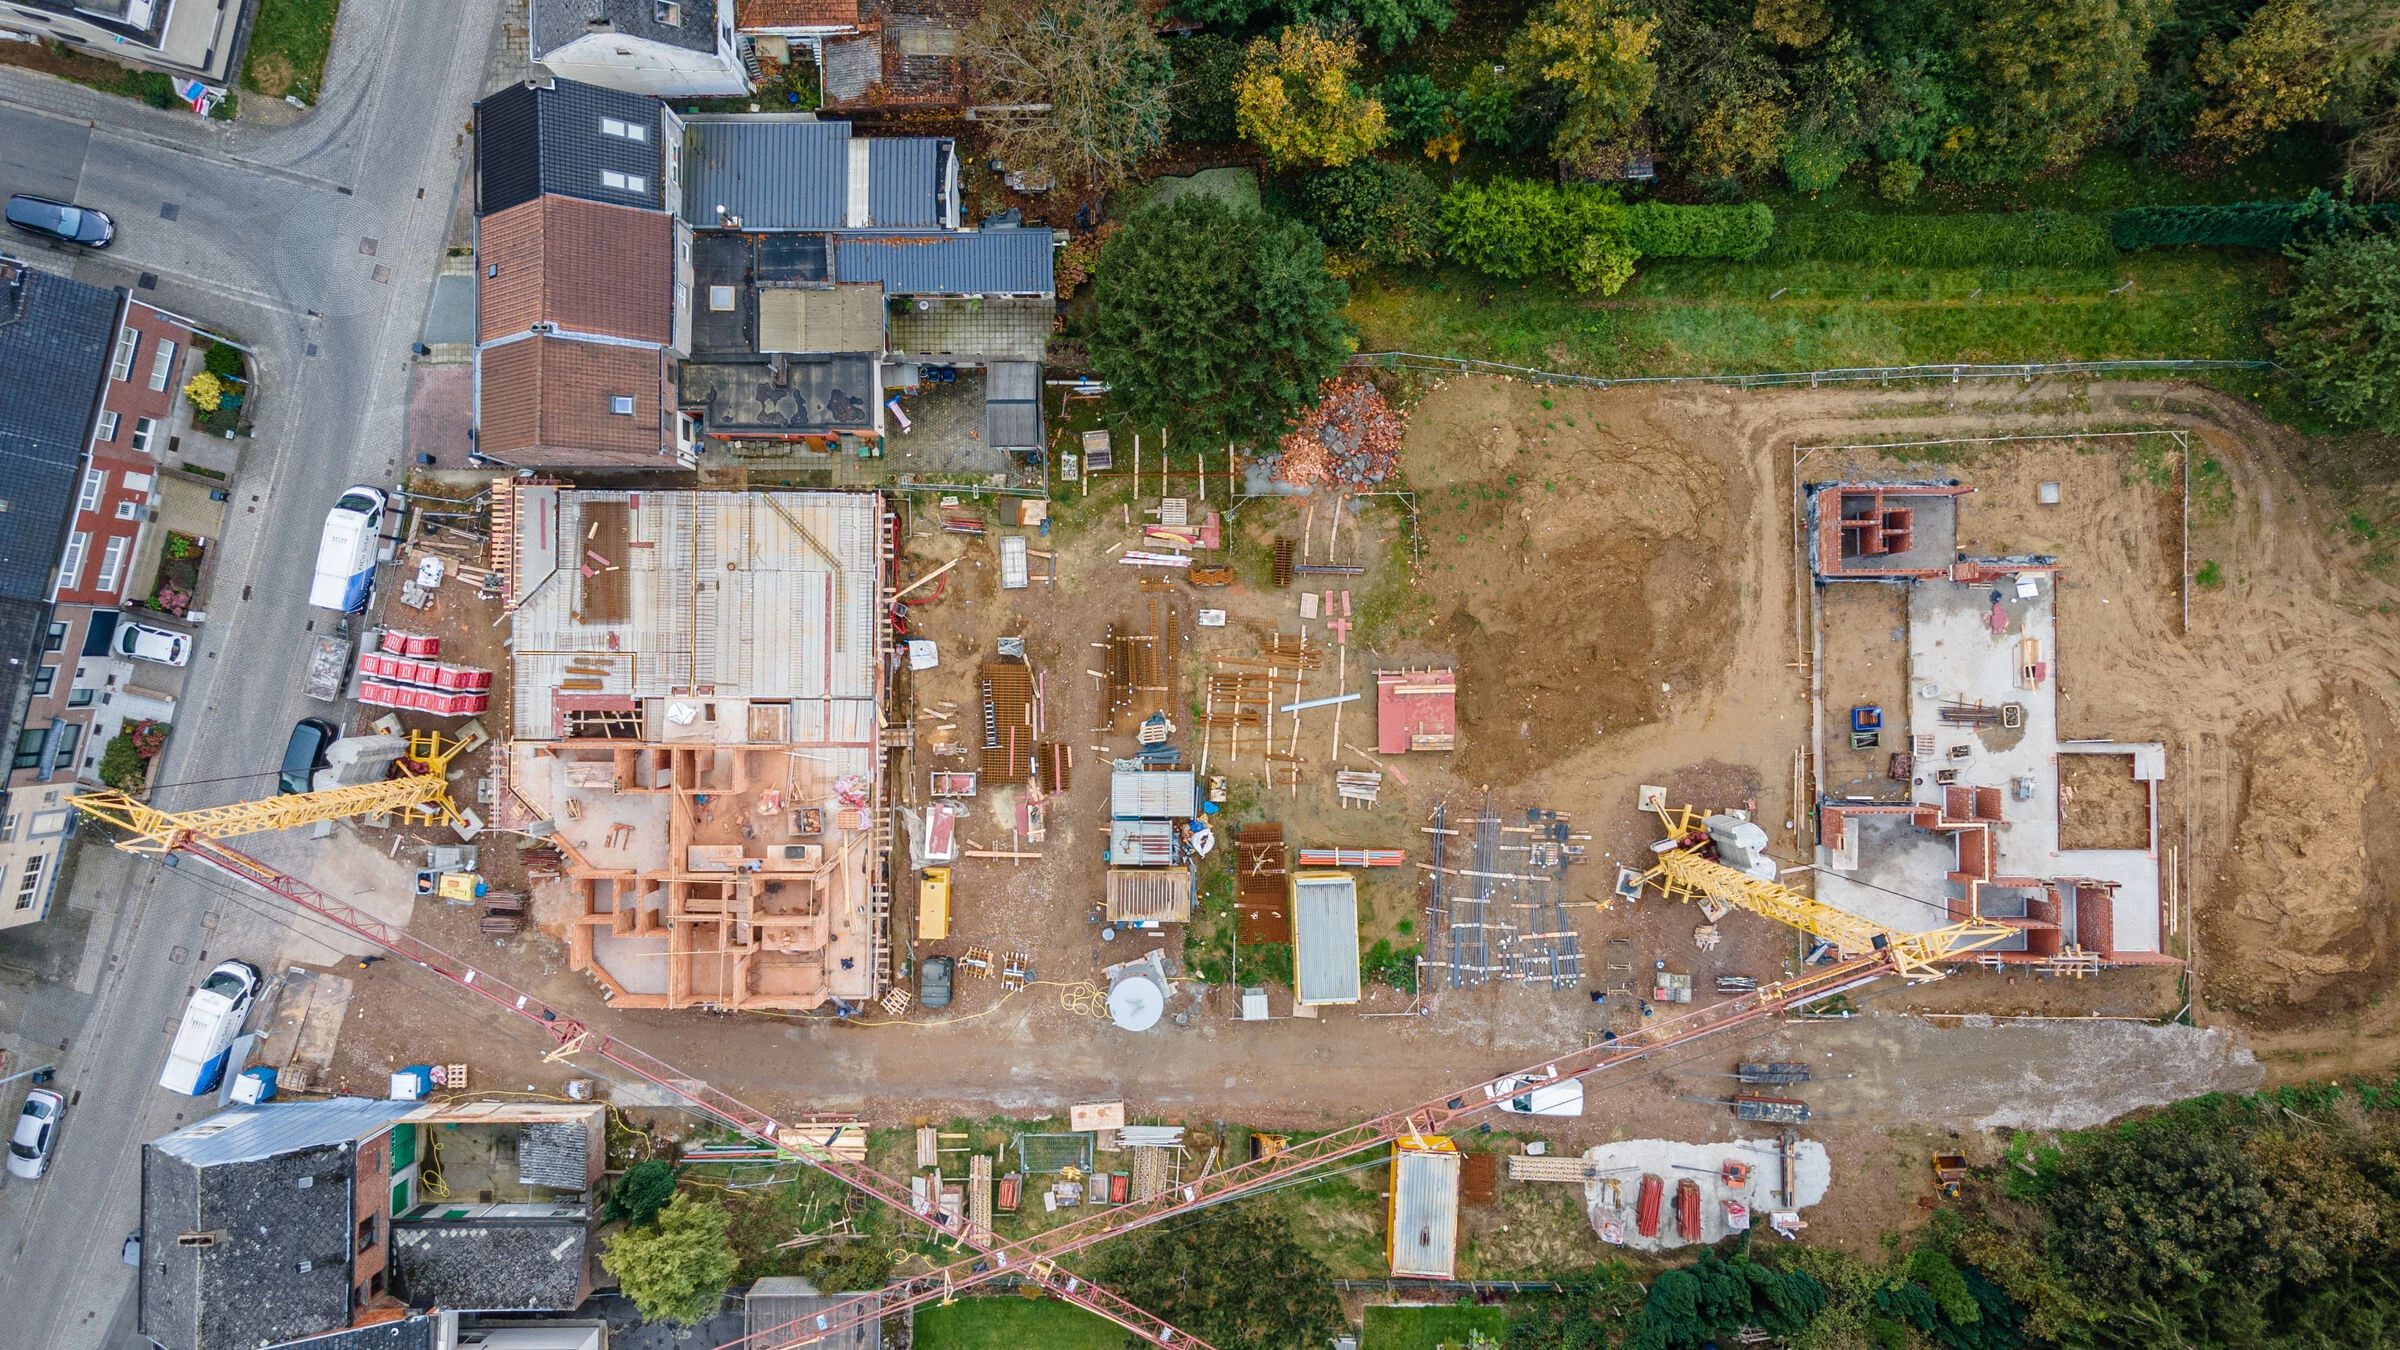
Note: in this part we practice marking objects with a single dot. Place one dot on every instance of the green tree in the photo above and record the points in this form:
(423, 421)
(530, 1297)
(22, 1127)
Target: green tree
(2342, 334)
(1207, 68)
(1297, 103)
(1099, 66)
(644, 1191)
(1596, 56)
(1236, 1277)
(1385, 213)
(1710, 1300)
(678, 1270)
(1216, 320)
(1391, 23)
(2047, 75)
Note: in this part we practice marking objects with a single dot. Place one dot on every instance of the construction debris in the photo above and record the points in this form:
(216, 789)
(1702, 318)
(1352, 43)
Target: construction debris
(1352, 437)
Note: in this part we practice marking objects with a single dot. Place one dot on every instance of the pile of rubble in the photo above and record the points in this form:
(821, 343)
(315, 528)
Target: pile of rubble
(1350, 439)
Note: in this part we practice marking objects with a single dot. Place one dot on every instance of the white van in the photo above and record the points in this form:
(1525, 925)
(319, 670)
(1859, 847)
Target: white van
(346, 554)
(211, 1022)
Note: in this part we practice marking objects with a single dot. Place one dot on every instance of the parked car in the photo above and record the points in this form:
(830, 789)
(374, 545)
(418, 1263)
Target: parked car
(1528, 1096)
(345, 574)
(933, 981)
(63, 221)
(304, 753)
(144, 643)
(211, 1021)
(30, 1147)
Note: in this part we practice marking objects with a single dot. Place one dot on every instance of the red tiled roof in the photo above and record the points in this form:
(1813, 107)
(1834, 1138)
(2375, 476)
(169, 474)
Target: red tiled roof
(546, 402)
(752, 15)
(588, 267)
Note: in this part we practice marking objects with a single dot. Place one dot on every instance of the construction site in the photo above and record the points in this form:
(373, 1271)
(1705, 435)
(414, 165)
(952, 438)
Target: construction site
(991, 849)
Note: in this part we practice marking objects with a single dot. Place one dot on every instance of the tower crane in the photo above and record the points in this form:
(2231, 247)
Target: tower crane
(1722, 858)
(419, 790)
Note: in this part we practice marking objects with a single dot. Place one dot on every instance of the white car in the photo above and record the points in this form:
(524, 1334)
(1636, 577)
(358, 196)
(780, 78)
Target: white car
(1526, 1096)
(144, 643)
(30, 1147)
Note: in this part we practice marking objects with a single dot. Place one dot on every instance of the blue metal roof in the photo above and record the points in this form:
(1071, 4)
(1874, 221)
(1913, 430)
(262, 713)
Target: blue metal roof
(933, 262)
(904, 182)
(775, 173)
(240, 1134)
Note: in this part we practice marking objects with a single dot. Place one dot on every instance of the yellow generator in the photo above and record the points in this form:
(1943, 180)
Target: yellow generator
(933, 905)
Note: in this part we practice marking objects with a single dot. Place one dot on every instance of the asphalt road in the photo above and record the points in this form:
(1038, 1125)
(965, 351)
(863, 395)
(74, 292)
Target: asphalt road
(265, 240)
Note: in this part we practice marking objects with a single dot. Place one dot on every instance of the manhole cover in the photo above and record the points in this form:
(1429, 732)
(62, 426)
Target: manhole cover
(169, 211)
(148, 282)
(382, 273)
(178, 955)
(367, 246)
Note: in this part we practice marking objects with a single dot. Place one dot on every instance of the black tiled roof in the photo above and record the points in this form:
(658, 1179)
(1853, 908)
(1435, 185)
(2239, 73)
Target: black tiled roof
(240, 1282)
(537, 137)
(55, 335)
(556, 23)
(493, 1264)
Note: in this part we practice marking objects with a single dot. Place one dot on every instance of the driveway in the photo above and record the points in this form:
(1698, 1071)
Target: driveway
(318, 243)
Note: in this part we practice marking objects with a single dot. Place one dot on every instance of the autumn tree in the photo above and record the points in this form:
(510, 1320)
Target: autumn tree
(678, 1270)
(2276, 73)
(1794, 23)
(1389, 24)
(1595, 55)
(1079, 87)
(2046, 76)
(2342, 334)
(1216, 320)
(1298, 103)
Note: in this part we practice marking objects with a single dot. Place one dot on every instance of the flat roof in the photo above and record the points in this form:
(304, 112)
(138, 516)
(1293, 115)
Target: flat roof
(1424, 1213)
(1325, 937)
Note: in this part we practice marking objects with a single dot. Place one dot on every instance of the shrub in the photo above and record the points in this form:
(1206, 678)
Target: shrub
(1414, 107)
(1386, 213)
(1513, 228)
(646, 1189)
(224, 361)
(121, 765)
(1660, 230)
(1814, 163)
(1897, 180)
(149, 737)
(206, 392)
(2022, 239)
(1603, 262)
(2342, 337)
(2245, 224)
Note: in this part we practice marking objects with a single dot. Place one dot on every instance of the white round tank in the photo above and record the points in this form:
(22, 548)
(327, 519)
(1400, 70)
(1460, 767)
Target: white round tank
(1136, 1001)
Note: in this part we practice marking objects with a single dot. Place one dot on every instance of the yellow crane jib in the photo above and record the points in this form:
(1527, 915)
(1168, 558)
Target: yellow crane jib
(419, 789)
(1685, 871)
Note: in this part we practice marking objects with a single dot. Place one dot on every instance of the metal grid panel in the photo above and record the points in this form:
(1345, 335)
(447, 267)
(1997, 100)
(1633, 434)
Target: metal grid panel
(1040, 1153)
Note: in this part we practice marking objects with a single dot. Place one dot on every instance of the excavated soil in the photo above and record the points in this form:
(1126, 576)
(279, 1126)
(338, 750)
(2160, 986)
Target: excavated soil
(2101, 804)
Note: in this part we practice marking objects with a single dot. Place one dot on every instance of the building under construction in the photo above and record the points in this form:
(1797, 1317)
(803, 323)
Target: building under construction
(697, 723)
(1967, 822)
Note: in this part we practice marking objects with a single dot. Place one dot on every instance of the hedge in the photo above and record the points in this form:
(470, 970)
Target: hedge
(2018, 239)
(2268, 225)
(1658, 230)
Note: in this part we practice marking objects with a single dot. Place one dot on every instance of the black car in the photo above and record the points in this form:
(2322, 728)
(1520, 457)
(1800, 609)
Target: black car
(63, 221)
(305, 753)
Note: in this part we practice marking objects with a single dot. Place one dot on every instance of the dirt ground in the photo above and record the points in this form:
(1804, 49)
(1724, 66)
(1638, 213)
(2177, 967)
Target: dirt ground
(2101, 804)
(1613, 574)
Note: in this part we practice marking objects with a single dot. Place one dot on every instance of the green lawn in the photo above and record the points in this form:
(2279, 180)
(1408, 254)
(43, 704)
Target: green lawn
(1688, 317)
(1013, 1323)
(289, 40)
(1429, 1328)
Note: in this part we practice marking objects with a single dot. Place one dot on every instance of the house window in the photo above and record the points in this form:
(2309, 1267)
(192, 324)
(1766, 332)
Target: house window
(108, 426)
(95, 482)
(43, 679)
(624, 131)
(70, 734)
(29, 747)
(112, 562)
(8, 827)
(624, 182)
(366, 1232)
(80, 698)
(621, 404)
(70, 571)
(127, 510)
(162, 364)
(120, 366)
(667, 12)
(30, 885)
(57, 640)
(142, 427)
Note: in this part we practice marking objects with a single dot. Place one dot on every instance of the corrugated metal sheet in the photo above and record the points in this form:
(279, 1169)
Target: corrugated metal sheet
(249, 1133)
(1424, 1238)
(776, 173)
(904, 182)
(1133, 794)
(1141, 843)
(983, 262)
(1325, 936)
(1163, 896)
